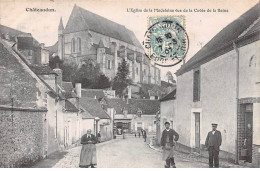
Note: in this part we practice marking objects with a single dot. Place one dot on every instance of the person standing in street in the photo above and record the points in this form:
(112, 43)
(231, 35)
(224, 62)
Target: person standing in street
(169, 137)
(145, 136)
(88, 156)
(139, 134)
(213, 143)
(99, 137)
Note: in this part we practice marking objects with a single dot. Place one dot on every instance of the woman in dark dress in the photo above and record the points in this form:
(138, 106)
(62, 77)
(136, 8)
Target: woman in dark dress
(88, 157)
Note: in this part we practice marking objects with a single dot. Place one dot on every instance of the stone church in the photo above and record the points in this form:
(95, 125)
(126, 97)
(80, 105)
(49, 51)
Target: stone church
(94, 39)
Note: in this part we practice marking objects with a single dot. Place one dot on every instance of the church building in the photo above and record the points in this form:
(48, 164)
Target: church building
(92, 39)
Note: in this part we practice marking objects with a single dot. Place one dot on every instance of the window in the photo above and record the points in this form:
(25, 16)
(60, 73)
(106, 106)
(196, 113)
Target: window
(108, 64)
(79, 45)
(136, 71)
(144, 72)
(73, 45)
(196, 86)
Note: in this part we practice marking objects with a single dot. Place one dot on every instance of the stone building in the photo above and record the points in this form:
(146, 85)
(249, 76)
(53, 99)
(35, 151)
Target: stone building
(96, 40)
(22, 111)
(221, 84)
(132, 115)
(166, 114)
(38, 98)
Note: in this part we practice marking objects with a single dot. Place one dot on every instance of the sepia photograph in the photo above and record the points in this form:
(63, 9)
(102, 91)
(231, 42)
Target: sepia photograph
(129, 84)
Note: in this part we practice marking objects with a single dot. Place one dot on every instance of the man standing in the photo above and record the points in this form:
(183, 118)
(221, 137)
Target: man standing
(169, 136)
(145, 136)
(88, 152)
(213, 142)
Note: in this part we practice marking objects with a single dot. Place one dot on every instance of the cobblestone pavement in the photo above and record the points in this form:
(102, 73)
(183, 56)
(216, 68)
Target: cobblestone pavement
(123, 153)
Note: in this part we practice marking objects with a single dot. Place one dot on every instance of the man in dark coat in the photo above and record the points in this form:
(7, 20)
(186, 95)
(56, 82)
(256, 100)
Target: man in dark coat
(169, 136)
(213, 142)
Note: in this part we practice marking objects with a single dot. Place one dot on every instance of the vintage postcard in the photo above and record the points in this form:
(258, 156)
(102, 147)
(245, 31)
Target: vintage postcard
(129, 83)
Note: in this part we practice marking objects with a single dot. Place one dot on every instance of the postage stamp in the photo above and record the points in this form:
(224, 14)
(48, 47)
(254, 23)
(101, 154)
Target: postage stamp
(166, 42)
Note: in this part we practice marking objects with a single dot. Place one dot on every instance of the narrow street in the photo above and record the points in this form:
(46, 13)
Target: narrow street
(121, 153)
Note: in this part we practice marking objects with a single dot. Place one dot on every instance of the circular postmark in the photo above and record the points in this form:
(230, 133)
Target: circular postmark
(166, 42)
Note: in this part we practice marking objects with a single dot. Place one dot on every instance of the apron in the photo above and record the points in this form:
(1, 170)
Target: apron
(88, 155)
(168, 151)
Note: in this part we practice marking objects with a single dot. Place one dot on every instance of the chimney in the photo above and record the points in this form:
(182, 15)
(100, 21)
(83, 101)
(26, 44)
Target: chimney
(42, 45)
(58, 78)
(78, 89)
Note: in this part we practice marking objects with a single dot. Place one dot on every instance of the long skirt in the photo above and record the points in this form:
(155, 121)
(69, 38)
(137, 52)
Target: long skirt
(88, 155)
(168, 153)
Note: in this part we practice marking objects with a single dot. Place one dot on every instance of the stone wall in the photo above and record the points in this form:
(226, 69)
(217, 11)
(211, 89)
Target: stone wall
(21, 136)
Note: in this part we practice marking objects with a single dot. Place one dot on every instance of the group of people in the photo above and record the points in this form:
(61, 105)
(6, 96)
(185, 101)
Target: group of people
(168, 143)
(170, 137)
(144, 134)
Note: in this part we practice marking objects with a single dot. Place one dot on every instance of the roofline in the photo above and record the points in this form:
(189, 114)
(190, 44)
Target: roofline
(3, 107)
(69, 32)
(240, 42)
(162, 100)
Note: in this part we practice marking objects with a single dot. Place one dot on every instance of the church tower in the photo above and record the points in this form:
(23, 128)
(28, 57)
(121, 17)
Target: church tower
(61, 40)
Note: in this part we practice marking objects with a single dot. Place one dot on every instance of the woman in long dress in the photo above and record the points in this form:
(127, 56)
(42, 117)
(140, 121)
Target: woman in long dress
(88, 156)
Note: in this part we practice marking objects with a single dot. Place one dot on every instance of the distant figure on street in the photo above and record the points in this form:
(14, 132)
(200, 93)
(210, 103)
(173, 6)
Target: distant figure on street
(139, 134)
(248, 143)
(135, 134)
(145, 136)
(213, 142)
(169, 137)
(99, 137)
(88, 156)
(123, 134)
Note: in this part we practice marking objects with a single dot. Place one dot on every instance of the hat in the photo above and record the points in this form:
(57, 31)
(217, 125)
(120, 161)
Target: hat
(214, 124)
(167, 123)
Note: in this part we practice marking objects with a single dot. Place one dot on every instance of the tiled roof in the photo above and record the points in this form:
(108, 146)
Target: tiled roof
(69, 90)
(224, 37)
(70, 107)
(148, 107)
(166, 84)
(42, 69)
(92, 93)
(82, 19)
(14, 33)
(170, 96)
(93, 107)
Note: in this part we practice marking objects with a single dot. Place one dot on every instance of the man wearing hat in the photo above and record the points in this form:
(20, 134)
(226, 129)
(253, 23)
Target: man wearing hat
(169, 136)
(213, 142)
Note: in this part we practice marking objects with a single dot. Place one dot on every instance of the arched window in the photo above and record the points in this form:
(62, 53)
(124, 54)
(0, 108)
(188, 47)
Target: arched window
(73, 45)
(79, 45)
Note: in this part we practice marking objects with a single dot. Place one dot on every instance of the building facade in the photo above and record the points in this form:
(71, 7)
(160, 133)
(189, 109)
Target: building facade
(221, 85)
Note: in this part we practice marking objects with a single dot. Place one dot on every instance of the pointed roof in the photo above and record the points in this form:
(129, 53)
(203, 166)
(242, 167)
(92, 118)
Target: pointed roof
(61, 27)
(82, 19)
(170, 96)
(222, 42)
(101, 44)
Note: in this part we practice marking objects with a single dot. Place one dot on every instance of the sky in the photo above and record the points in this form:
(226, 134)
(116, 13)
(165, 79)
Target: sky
(200, 26)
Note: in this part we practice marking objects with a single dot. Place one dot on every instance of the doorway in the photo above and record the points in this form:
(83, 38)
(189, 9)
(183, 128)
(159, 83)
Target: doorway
(197, 132)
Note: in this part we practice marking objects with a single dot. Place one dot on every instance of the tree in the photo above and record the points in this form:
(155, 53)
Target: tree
(102, 82)
(68, 72)
(121, 80)
(170, 77)
(53, 61)
(87, 75)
